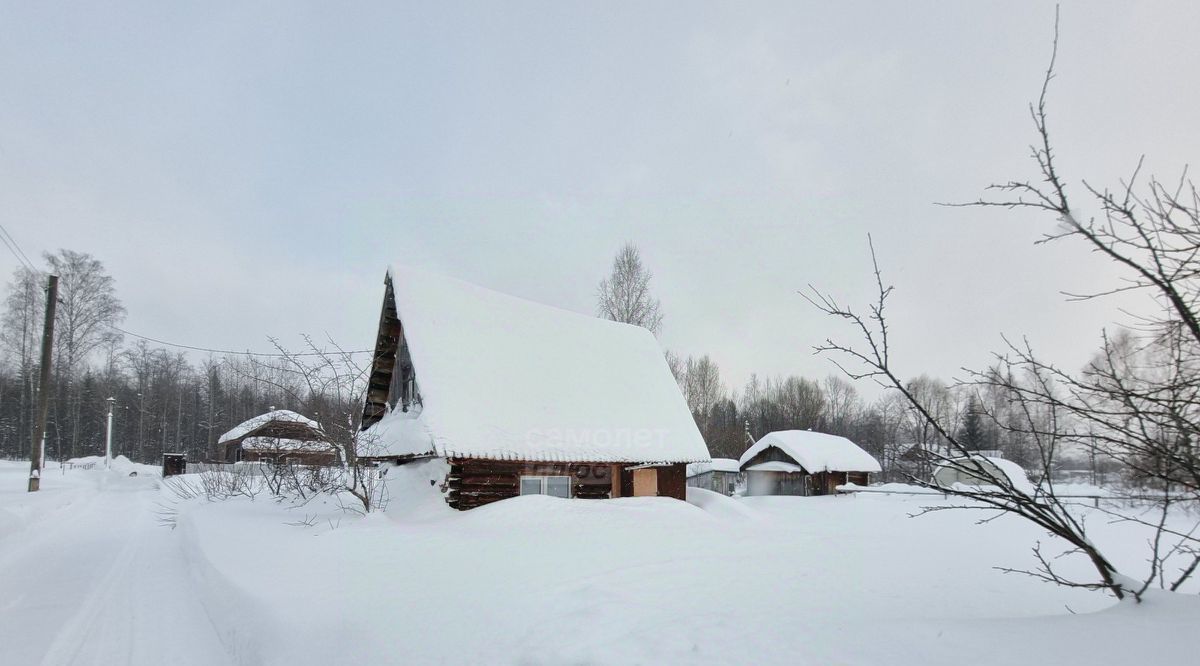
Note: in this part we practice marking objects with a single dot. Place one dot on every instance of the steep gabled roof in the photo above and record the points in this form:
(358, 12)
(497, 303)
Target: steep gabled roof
(281, 415)
(815, 451)
(505, 378)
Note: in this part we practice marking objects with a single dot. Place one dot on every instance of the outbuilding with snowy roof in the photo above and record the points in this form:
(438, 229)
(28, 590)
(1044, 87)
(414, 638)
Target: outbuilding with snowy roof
(981, 468)
(280, 436)
(722, 475)
(522, 398)
(803, 462)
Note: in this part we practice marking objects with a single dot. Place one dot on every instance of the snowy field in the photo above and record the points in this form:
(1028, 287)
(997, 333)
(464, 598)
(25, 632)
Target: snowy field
(89, 574)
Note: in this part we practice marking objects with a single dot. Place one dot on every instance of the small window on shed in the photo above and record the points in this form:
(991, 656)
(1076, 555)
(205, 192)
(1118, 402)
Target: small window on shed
(531, 485)
(555, 486)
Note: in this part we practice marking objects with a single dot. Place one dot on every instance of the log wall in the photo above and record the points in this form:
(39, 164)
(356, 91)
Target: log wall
(474, 482)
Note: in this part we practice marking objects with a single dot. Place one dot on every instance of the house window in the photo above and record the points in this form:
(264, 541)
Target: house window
(556, 486)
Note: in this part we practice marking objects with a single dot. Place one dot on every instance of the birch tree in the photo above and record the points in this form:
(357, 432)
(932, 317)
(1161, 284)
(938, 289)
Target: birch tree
(625, 295)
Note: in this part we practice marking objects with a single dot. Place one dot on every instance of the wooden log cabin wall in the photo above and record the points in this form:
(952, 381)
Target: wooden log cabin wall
(323, 453)
(474, 482)
(383, 365)
(508, 338)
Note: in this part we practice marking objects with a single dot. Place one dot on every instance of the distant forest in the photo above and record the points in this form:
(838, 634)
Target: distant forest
(166, 399)
(171, 400)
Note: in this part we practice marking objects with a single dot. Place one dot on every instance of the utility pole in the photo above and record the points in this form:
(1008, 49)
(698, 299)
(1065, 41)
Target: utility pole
(108, 435)
(37, 452)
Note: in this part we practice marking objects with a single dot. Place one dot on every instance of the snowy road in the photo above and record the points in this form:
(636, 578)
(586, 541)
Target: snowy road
(93, 578)
(89, 576)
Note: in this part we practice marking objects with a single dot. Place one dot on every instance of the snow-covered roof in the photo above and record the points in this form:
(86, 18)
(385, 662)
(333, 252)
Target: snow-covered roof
(1015, 473)
(716, 465)
(283, 444)
(815, 451)
(505, 378)
(775, 466)
(250, 425)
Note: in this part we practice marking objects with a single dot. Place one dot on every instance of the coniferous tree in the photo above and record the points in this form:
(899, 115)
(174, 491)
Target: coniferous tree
(971, 435)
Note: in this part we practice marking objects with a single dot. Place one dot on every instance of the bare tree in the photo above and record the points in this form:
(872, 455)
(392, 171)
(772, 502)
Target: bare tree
(88, 308)
(330, 385)
(1142, 410)
(678, 368)
(872, 360)
(20, 335)
(842, 405)
(625, 296)
(703, 388)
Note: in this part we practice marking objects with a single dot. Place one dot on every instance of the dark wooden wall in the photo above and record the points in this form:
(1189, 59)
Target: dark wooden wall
(770, 454)
(474, 482)
(672, 481)
(387, 342)
(821, 483)
(313, 458)
(282, 430)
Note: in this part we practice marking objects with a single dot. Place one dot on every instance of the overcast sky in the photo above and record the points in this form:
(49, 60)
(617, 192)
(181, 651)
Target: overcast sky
(250, 169)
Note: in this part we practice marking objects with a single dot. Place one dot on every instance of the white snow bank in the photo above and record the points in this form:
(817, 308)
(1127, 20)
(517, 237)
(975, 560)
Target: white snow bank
(119, 464)
(1085, 489)
(262, 419)
(719, 505)
(901, 488)
(505, 378)
(414, 489)
(542, 580)
(815, 451)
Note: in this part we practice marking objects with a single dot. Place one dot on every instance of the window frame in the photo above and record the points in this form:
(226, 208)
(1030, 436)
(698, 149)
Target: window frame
(544, 484)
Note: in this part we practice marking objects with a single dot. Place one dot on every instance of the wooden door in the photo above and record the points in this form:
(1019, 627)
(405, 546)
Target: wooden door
(645, 482)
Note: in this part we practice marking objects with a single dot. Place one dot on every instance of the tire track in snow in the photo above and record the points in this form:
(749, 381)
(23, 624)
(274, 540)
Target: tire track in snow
(111, 587)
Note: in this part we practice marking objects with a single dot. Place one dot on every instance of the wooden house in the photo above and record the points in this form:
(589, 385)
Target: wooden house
(803, 462)
(519, 398)
(722, 475)
(279, 436)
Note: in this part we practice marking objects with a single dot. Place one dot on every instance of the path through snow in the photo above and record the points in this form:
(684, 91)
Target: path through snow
(93, 578)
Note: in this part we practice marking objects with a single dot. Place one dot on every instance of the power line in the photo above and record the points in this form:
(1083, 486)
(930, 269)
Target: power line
(237, 353)
(15, 249)
(23, 259)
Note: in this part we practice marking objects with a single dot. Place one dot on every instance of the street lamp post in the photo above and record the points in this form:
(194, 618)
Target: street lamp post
(108, 435)
(141, 426)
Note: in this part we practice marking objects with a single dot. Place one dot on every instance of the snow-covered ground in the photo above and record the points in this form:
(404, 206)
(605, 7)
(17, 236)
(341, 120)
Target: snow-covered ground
(89, 575)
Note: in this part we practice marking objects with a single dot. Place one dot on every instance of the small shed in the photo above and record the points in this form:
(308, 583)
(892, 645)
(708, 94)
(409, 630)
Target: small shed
(803, 462)
(975, 470)
(174, 464)
(512, 397)
(722, 475)
(279, 436)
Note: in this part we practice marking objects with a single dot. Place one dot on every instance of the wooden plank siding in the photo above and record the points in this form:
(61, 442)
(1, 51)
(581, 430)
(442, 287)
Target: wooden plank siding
(282, 430)
(383, 365)
(474, 482)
